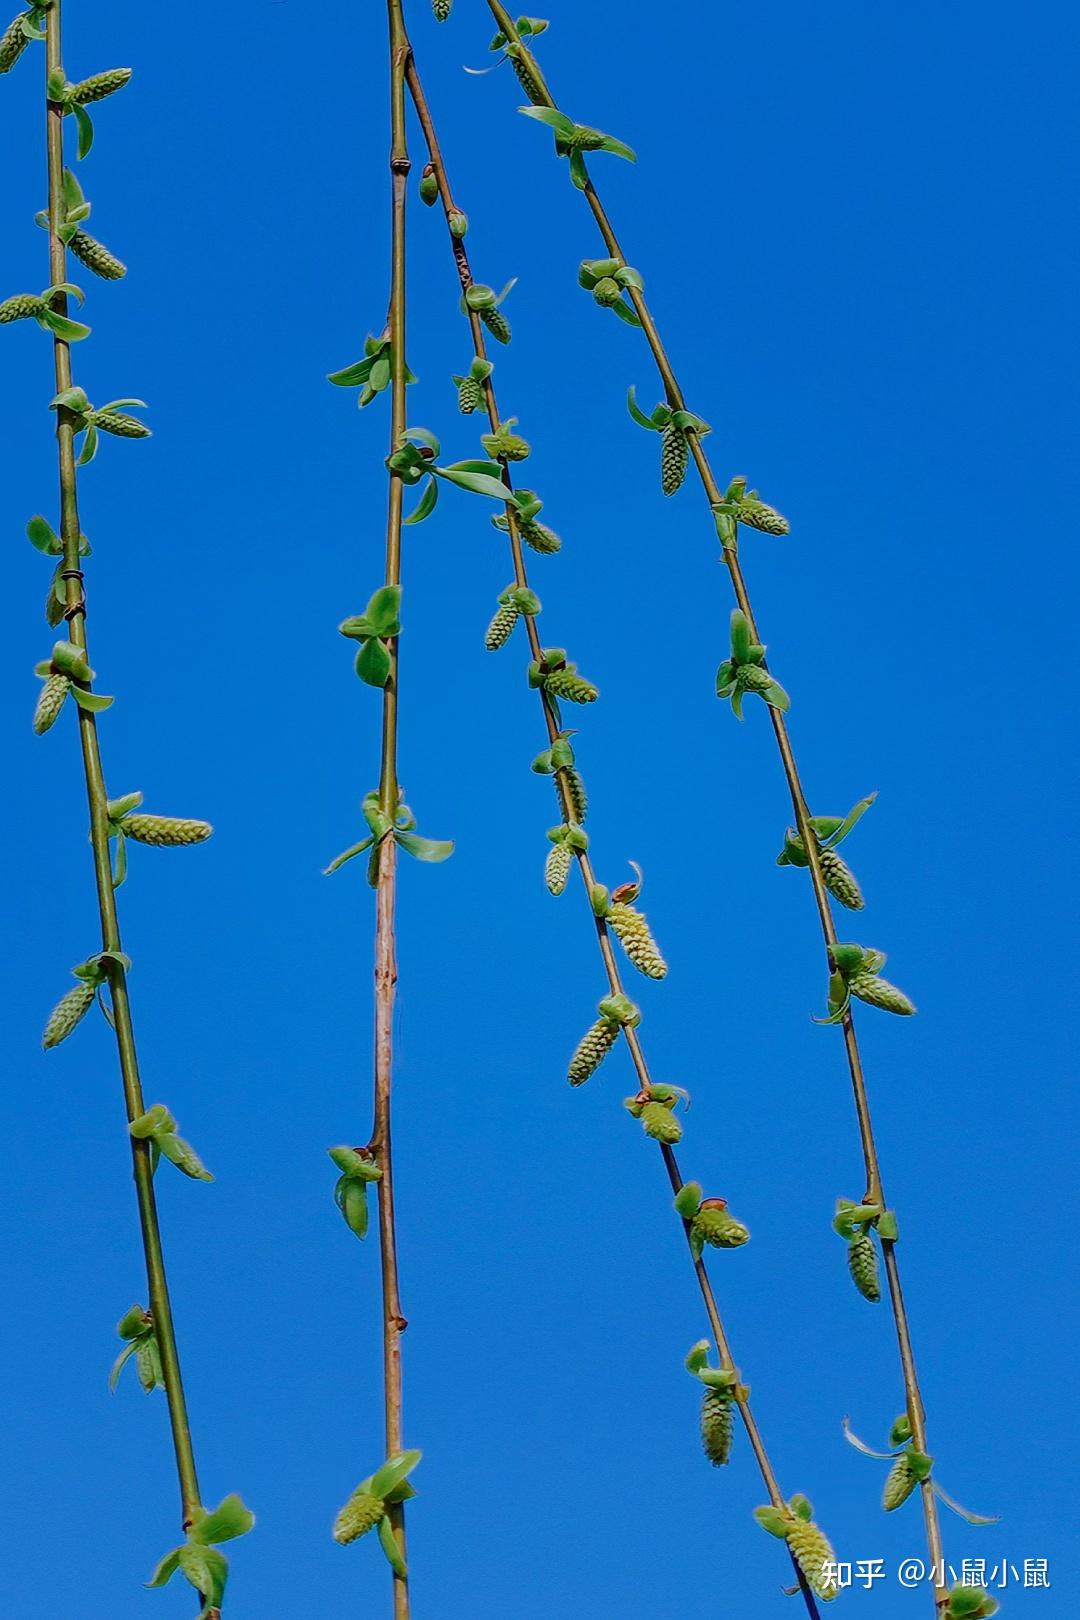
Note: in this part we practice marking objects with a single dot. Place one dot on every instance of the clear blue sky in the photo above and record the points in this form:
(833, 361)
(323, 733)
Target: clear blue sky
(856, 230)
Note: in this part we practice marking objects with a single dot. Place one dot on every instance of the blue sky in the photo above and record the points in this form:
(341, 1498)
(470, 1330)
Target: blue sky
(855, 231)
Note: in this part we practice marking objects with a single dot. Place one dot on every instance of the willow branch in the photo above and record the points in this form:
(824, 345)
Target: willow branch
(874, 1189)
(97, 798)
(588, 876)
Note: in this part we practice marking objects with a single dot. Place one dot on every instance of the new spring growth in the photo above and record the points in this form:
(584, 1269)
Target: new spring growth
(528, 28)
(616, 1013)
(855, 1223)
(504, 444)
(158, 1127)
(89, 422)
(368, 1507)
(829, 831)
(43, 537)
(442, 9)
(415, 462)
(513, 602)
(910, 1467)
(75, 210)
(536, 535)
(66, 671)
(136, 1328)
(970, 1603)
(655, 1105)
(808, 1544)
(429, 185)
(629, 925)
(722, 1389)
(379, 623)
(358, 1170)
(126, 820)
(470, 388)
(198, 1560)
(38, 307)
(75, 98)
(558, 761)
(856, 972)
(72, 1008)
(607, 279)
(560, 679)
(673, 427)
(485, 301)
(745, 670)
(372, 374)
(708, 1220)
(740, 505)
(566, 841)
(19, 32)
(574, 140)
(401, 829)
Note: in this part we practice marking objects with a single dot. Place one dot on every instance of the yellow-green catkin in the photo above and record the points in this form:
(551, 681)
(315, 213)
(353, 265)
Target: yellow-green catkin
(752, 678)
(69, 1011)
(863, 1265)
(840, 880)
(501, 626)
(525, 76)
(591, 1050)
(12, 43)
(878, 992)
(674, 458)
(538, 536)
(99, 85)
(717, 1425)
(759, 515)
(470, 397)
(361, 1513)
(119, 423)
(571, 687)
(50, 702)
(165, 830)
(96, 256)
(496, 323)
(633, 933)
(660, 1123)
(575, 787)
(812, 1554)
(899, 1485)
(718, 1228)
(20, 307)
(557, 868)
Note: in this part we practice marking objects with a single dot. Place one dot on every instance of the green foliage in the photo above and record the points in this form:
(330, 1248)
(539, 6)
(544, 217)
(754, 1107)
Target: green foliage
(198, 1559)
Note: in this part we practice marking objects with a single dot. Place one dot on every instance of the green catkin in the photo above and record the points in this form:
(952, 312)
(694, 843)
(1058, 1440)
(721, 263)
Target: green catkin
(470, 396)
(20, 307)
(496, 323)
(98, 86)
(586, 140)
(571, 687)
(501, 626)
(12, 43)
(607, 292)
(633, 933)
(69, 1011)
(96, 257)
(718, 1228)
(752, 678)
(525, 77)
(579, 799)
(899, 1485)
(165, 831)
(674, 458)
(50, 702)
(542, 539)
(863, 1265)
(557, 868)
(812, 1552)
(758, 515)
(878, 992)
(840, 880)
(442, 9)
(660, 1123)
(118, 422)
(361, 1513)
(717, 1425)
(591, 1050)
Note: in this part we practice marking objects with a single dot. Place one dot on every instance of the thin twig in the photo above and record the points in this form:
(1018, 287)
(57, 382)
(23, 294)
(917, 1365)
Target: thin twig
(874, 1191)
(97, 797)
(588, 876)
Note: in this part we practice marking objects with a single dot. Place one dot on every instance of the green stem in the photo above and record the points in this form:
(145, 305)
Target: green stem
(97, 797)
(874, 1191)
(588, 875)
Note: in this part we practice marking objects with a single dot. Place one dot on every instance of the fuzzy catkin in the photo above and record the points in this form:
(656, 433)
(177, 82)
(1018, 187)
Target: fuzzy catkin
(165, 831)
(96, 256)
(717, 1425)
(501, 626)
(634, 935)
(840, 880)
(50, 702)
(718, 1228)
(899, 1485)
(571, 687)
(674, 458)
(20, 307)
(69, 1011)
(557, 868)
(98, 86)
(752, 678)
(591, 1050)
(660, 1123)
(12, 44)
(878, 992)
(863, 1265)
(759, 515)
(469, 396)
(360, 1514)
(812, 1553)
(118, 422)
(497, 324)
